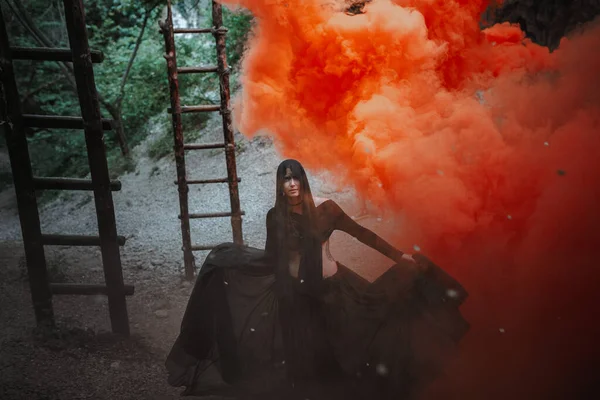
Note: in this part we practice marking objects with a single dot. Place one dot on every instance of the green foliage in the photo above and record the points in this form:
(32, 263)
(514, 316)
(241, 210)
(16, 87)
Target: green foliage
(113, 20)
(239, 24)
(113, 27)
(146, 92)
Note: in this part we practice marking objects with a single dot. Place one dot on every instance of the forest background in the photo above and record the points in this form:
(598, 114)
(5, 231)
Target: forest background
(131, 81)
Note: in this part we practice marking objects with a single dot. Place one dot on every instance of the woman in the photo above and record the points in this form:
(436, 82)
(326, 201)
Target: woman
(290, 319)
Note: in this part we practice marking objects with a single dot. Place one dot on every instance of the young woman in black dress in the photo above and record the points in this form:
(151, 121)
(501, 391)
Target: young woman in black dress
(291, 321)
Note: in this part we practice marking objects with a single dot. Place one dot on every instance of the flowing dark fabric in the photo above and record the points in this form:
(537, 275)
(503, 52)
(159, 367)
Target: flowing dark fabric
(348, 339)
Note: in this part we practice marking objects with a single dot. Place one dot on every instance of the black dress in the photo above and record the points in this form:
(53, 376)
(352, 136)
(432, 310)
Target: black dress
(348, 339)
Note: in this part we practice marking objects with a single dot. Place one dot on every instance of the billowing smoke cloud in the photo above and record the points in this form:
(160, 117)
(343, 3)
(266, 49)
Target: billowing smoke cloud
(487, 144)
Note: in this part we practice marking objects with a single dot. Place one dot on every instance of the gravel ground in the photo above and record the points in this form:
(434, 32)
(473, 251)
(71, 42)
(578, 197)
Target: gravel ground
(81, 359)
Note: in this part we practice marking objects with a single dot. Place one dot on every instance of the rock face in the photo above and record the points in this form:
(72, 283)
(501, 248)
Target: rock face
(544, 21)
(547, 21)
(354, 7)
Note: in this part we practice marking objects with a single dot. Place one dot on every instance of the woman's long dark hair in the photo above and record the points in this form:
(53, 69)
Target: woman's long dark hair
(311, 262)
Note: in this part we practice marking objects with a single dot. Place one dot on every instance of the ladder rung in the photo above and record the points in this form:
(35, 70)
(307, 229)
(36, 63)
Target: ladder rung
(50, 54)
(213, 215)
(76, 240)
(59, 122)
(193, 30)
(85, 289)
(203, 181)
(202, 248)
(47, 183)
(193, 109)
(196, 70)
(205, 146)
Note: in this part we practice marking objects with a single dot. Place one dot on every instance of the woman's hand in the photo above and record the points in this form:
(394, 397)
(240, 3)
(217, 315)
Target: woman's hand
(409, 258)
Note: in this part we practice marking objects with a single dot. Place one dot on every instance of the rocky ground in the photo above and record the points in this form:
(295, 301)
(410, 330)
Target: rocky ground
(82, 359)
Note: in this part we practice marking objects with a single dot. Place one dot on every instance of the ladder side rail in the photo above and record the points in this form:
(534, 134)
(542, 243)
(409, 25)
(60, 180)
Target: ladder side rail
(182, 186)
(219, 33)
(94, 138)
(20, 161)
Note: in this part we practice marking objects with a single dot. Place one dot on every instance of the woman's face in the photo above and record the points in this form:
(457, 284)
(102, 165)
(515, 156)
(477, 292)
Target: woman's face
(291, 186)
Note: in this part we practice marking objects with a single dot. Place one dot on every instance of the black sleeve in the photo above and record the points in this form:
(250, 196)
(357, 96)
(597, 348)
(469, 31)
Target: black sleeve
(341, 221)
(271, 243)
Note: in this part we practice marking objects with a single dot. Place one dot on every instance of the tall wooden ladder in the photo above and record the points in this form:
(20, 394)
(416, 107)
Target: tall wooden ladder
(26, 185)
(180, 147)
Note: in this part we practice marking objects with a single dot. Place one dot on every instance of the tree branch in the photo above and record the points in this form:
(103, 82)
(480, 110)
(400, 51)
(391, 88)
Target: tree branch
(32, 76)
(41, 39)
(29, 24)
(138, 42)
(21, 20)
(50, 7)
(39, 89)
(61, 13)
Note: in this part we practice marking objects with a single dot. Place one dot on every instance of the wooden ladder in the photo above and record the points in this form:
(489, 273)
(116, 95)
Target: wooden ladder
(26, 184)
(180, 147)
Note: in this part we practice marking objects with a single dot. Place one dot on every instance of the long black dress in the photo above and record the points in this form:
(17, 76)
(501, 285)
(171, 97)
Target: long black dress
(348, 339)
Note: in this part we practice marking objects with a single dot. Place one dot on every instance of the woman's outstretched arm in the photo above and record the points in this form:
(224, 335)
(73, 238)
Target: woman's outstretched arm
(342, 222)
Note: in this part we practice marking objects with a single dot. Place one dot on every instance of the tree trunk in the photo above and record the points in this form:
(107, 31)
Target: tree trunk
(117, 126)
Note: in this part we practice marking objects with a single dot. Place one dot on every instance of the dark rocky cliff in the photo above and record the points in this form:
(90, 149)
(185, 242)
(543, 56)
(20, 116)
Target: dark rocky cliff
(544, 21)
(547, 21)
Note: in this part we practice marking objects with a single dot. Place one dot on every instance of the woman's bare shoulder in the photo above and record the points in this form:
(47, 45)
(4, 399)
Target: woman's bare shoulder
(319, 200)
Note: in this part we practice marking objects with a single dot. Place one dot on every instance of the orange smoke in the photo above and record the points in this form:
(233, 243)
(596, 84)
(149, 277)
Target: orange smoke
(486, 143)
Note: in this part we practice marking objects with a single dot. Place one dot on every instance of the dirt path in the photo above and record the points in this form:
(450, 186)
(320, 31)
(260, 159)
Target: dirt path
(83, 360)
